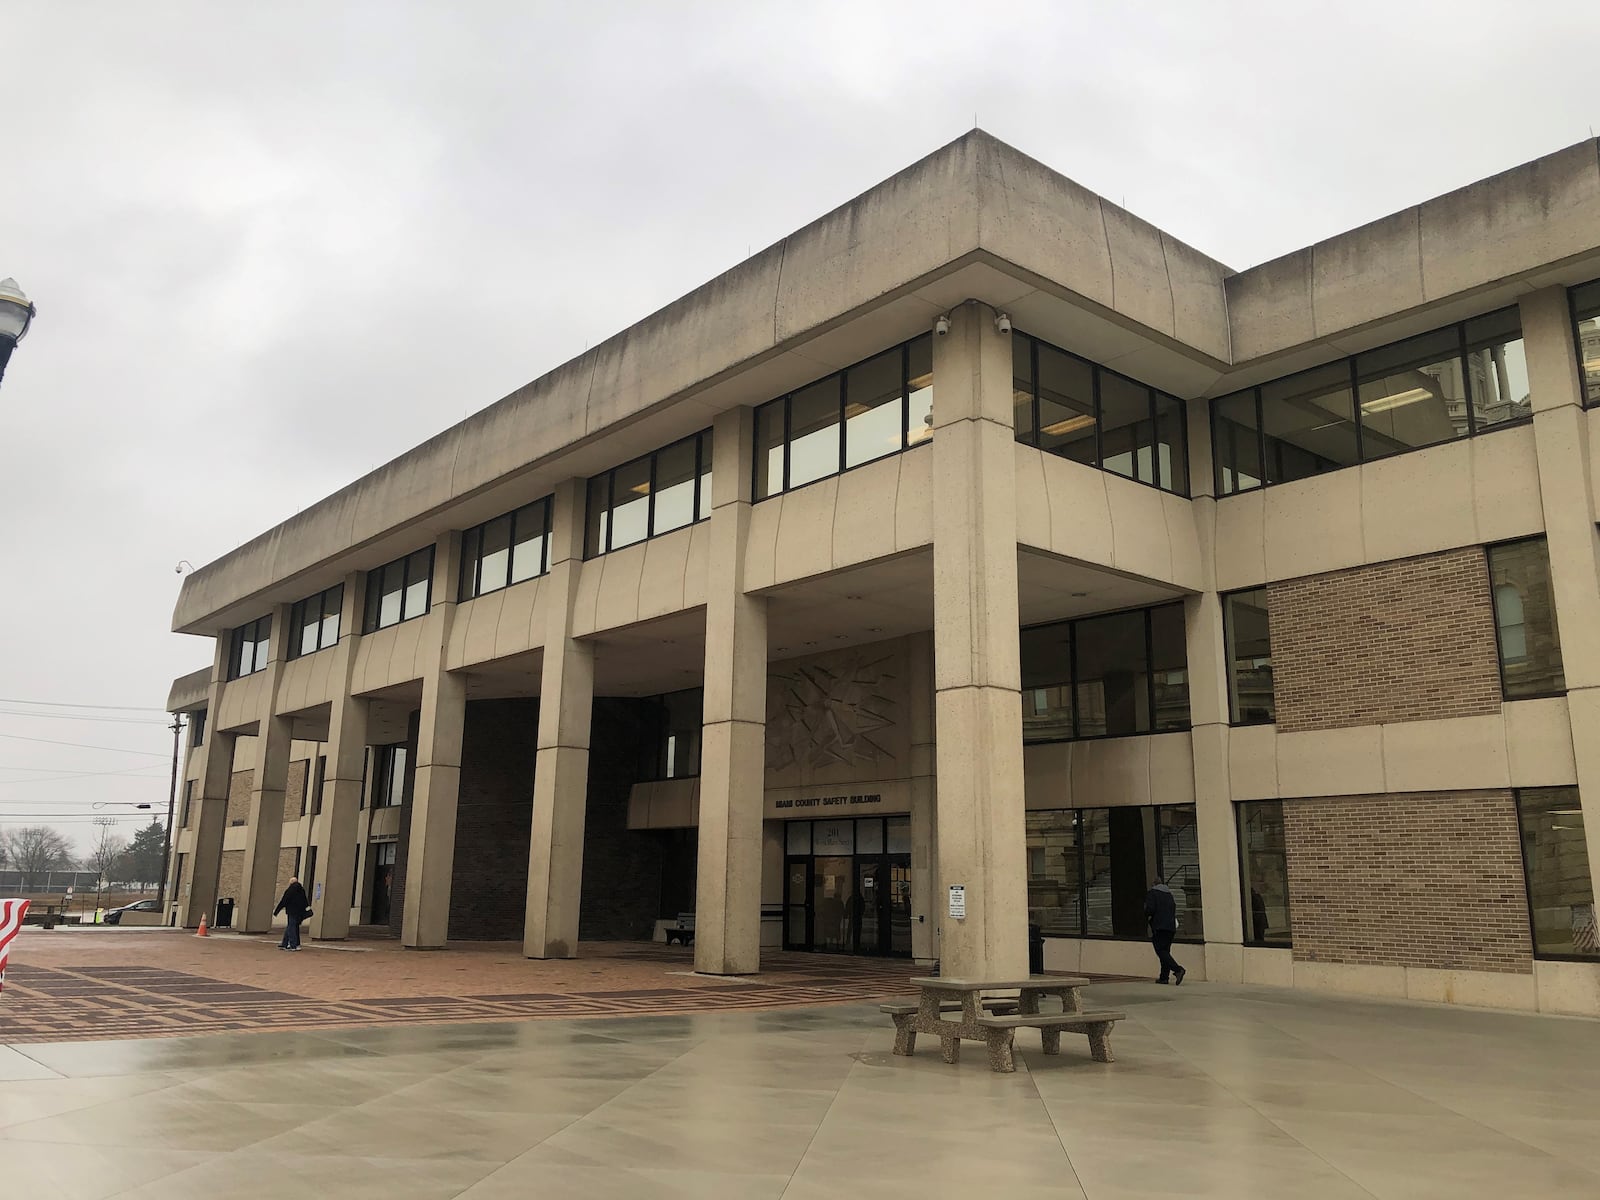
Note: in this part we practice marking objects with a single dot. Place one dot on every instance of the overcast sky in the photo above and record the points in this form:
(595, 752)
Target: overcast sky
(275, 245)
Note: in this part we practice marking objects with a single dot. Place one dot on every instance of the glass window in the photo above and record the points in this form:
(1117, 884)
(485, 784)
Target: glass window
(197, 728)
(1586, 334)
(1555, 861)
(769, 450)
(1172, 445)
(703, 508)
(419, 583)
(1055, 879)
(531, 533)
(1178, 852)
(674, 487)
(391, 781)
(674, 752)
(1249, 637)
(494, 555)
(833, 837)
(1169, 667)
(1525, 620)
(1046, 653)
(1127, 431)
(630, 503)
(332, 606)
(869, 836)
(385, 598)
(1497, 370)
(814, 432)
(873, 410)
(1236, 443)
(1309, 422)
(314, 622)
(1066, 405)
(797, 836)
(1113, 688)
(399, 591)
(919, 388)
(899, 835)
(1264, 872)
(248, 653)
(1412, 394)
(597, 516)
(1119, 865)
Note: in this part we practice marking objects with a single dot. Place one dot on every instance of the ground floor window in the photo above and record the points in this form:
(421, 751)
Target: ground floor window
(1089, 869)
(1264, 873)
(847, 886)
(1555, 859)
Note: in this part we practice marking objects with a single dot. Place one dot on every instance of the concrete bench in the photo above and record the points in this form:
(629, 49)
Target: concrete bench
(904, 1014)
(684, 933)
(1000, 1033)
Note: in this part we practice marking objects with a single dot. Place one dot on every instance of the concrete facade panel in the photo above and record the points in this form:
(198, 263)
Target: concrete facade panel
(1345, 291)
(1080, 510)
(913, 506)
(1331, 505)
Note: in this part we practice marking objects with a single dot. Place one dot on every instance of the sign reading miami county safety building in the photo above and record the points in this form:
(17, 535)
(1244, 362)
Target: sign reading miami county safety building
(861, 800)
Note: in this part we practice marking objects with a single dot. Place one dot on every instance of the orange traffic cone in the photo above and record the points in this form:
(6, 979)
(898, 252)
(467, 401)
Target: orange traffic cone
(202, 932)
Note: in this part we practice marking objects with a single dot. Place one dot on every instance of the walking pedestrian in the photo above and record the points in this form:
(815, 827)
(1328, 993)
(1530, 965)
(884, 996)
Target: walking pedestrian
(297, 907)
(1161, 911)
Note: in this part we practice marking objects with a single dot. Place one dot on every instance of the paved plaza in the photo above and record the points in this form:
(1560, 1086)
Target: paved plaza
(1217, 1091)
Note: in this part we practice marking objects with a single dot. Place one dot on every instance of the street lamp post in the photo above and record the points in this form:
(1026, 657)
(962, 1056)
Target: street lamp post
(16, 314)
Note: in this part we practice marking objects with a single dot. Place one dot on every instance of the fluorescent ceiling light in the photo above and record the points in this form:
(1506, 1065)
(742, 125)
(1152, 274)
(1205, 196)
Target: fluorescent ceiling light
(642, 488)
(1398, 400)
(1070, 425)
(854, 409)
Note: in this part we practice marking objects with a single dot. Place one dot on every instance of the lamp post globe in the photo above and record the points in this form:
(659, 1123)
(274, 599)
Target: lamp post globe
(16, 314)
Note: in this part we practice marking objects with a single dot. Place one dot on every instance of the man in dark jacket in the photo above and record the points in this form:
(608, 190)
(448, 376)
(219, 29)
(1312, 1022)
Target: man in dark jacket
(297, 907)
(1161, 911)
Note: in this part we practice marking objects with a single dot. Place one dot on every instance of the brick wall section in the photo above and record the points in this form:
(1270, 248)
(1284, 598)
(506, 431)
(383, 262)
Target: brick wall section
(239, 785)
(294, 791)
(1402, 641)
(621, 867)
(1416, 880)
(230, 878)
(494, 820)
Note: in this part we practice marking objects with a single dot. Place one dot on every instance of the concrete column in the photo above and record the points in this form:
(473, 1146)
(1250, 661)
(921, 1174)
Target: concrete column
(561, 764)
(210, 806)
(258, 884)
(978, 706)
(425, 917)
(1210, 728)
(925, 894)
(1567, 487)
(733, 756)
(340, 819)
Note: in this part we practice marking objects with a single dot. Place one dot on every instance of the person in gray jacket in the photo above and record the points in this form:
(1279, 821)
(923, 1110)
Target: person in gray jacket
(1161, 911)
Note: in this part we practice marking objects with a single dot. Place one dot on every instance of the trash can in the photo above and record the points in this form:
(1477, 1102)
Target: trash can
(225, 913)
(1035, 949)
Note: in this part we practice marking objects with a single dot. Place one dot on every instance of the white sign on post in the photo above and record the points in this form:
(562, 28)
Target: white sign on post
(958, 902)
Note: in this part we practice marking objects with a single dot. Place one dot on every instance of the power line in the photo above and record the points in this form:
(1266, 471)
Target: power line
(58, 716)
(59, 704)
(83, 746)
(52, 776)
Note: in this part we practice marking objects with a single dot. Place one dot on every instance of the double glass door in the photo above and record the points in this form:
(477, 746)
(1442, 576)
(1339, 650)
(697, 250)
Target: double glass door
(852, 893)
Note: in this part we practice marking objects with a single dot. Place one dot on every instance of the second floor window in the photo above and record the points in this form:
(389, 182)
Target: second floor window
(650, 496)
(506, 550)
(1249, 638)
(314, 622)
(249, 651)
(400, 590)
(1525, 620)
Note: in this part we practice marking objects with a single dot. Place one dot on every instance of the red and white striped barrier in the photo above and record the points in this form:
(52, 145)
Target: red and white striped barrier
(11, 914)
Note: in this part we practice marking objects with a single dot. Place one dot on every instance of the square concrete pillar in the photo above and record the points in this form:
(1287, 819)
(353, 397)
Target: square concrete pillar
(978, 706)
(561, 763)
(210, 812)
(341, 816)
(258, 884)
(733, 738)
(425, 918)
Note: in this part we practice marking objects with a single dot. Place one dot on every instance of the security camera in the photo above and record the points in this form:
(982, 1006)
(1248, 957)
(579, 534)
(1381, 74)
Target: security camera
(942, 326)
(1002, 323)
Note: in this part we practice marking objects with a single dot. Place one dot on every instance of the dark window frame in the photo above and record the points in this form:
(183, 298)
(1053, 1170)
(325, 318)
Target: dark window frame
(1527, 879)
(188, 803)
(197, 728)
(297, 622)
(1072, 624)
(1494, 618)
(655, 770)
(781, 404)
(702, 454)
(470, 586)
(1577, 319)
(1227, 654)
(1248, 937)
(373, 606)
(1362, 458)
(385, 782)
(1083, 877)
(258, 634)
(1030, 437)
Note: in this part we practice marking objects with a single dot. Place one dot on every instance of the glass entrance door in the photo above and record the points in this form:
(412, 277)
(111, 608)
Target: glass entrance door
(797, 904)
(833, 903)
(847, 886)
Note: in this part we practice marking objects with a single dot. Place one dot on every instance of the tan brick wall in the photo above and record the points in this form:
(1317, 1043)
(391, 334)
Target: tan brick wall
(1416, 880)
(286, 869)
(294, 792)
(230, 876)
(239, 798)
(1402, 641)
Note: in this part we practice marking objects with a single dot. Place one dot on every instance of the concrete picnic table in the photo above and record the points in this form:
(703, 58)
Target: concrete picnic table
(936, 992)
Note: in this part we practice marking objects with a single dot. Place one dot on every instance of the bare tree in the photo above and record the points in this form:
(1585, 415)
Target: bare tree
(105, 853)
(35, 851)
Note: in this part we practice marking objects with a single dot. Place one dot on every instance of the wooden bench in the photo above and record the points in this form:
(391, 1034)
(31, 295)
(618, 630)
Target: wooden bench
(684, 933)
(1001, 1033)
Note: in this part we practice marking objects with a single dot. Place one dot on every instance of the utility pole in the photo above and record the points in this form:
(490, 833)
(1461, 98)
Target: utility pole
(100, 877)
(172, 799)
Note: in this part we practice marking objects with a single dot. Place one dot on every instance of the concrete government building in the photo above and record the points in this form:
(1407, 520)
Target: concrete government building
(977, 535)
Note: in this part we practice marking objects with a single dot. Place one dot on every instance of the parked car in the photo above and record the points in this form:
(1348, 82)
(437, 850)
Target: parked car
(113, 916)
